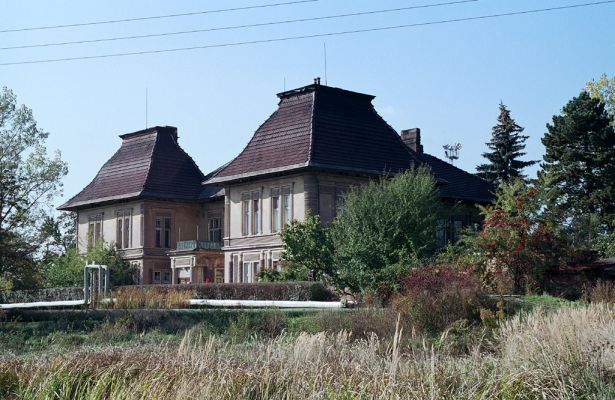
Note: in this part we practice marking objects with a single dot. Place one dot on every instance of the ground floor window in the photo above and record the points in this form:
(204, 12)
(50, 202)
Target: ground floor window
(161, 277)
(250, 270)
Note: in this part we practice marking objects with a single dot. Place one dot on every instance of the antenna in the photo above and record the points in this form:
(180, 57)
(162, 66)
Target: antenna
(324, 44)
(145, 108)
(451, 151)
(284, 84)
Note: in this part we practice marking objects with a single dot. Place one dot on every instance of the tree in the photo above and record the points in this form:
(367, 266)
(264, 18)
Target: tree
(384, 228)
(579, 163)
(604, 90)
(518, 243)
(29, 180)
(506, 147)
(308, 250)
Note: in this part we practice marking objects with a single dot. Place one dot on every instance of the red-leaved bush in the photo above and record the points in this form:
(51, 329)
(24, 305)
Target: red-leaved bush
(435, 296)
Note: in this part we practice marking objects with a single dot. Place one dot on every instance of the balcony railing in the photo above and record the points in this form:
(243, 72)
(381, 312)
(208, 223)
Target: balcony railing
(198, 244)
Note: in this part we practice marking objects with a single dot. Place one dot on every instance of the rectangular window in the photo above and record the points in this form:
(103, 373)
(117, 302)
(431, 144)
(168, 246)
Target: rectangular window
(441, 233)
(162, 232)
(142, 225)
(246, 272)
(287, 205)
(219, 275)
(275, 210)
(247, 217)
(166, 277)
(95, 229)
(123, 236)
(158, 232)
(167, 233)
(275, 264)
(256, 212)
(157, 277)
(457, 228)
(214, 229)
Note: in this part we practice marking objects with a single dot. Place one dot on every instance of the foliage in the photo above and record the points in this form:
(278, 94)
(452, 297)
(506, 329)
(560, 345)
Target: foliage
(433, 297)
(29, 180)
(517, 245)
(308, 250)
(67, 269)
(605, 244)
(580, 161)
(506, 147)
(604, 90)
(601, 292)
(384, 228)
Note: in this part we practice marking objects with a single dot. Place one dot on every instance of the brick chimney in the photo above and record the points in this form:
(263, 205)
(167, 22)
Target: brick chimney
(412, 139)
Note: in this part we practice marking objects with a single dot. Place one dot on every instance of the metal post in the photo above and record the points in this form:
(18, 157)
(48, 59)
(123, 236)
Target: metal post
(86, 285)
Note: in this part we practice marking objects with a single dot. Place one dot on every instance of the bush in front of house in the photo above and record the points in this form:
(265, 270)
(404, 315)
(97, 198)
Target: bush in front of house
(35, 295)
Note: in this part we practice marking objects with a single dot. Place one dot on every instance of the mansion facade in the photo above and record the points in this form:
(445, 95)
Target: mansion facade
(178, 225)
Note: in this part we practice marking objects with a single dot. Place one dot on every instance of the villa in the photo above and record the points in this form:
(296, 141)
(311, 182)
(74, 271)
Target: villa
(181, 226)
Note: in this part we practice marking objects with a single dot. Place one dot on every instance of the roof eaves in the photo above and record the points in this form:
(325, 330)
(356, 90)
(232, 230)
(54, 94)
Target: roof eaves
(252, 174)
(69, 206)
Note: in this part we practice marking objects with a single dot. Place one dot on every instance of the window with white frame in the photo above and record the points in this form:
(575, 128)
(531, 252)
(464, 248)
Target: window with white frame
(214, 227)
(287, 205)
(250, 271)
(275, 210)
(251, 212)
(123, 234)
(95, 229)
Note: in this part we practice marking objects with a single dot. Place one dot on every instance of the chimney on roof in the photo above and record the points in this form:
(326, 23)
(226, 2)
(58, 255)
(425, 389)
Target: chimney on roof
(317, 80)
(412, 139)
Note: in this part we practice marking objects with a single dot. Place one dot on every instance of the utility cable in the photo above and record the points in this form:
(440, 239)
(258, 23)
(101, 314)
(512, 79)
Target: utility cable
(317, 35)
(290, 21)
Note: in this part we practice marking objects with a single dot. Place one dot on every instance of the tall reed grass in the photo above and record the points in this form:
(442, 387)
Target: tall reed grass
(562, 354)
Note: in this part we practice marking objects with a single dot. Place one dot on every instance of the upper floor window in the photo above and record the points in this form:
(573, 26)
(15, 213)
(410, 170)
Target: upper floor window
(123, 235)
(214, 227)
(251, 211)
(275, 210)
(287, 205)
(95, 229)
(163, 232)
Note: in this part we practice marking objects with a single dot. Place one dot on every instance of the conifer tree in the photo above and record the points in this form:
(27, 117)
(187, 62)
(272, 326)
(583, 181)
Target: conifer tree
(506, 147)
(580, 159)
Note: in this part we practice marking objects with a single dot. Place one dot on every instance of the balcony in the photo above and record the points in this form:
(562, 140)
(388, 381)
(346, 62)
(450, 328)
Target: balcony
(198, 245)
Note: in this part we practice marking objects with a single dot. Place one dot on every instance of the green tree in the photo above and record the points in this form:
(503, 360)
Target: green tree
(579, 163)
(506, 148)
(29, 180)
(604, 90)
(384, 228)
(66, 269)
(308, 251)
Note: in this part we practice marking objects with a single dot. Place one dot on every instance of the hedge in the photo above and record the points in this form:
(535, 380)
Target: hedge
(34, 295)
(297, 291)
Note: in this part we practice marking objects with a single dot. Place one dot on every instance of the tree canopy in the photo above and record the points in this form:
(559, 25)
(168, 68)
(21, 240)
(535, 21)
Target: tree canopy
(29, 180)
(506, 148)
(579, 163)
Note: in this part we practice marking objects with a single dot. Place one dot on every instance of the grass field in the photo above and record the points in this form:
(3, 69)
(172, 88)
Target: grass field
(561, 352)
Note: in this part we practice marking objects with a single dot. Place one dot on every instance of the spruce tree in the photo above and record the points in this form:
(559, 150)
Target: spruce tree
(506, 145)
(580, 160)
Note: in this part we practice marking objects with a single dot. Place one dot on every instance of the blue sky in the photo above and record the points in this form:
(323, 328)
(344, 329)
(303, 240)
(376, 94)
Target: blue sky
(447, 79)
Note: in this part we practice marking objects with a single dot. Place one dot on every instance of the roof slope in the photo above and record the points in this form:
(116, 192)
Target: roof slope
(149, 163)
(320, 127)
(457, 183)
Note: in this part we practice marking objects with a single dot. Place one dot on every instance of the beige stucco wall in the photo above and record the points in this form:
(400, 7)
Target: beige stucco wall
(109, 226)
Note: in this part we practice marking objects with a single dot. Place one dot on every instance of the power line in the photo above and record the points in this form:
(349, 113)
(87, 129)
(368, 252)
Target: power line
(290, 21)
(317, 35)
(115, 21)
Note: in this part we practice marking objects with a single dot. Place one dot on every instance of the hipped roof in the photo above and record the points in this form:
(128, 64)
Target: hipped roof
(149, 164)
(320, 127)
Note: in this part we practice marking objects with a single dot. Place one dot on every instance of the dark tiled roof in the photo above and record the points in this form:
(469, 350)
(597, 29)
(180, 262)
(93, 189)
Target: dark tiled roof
(320, 127)
(148, 164)
(458, 184)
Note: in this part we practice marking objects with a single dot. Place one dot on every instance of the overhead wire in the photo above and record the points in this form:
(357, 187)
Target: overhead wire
(317, 35)
(116, 21)
(261, 24)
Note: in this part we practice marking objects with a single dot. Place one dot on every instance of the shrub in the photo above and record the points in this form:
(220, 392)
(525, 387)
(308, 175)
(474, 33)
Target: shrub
(433, 297)
(301, 291)
(376, 245)
(601, 292)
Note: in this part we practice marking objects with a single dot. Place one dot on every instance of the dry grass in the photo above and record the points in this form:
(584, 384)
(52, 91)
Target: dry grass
(136, 298)
(564, 354)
